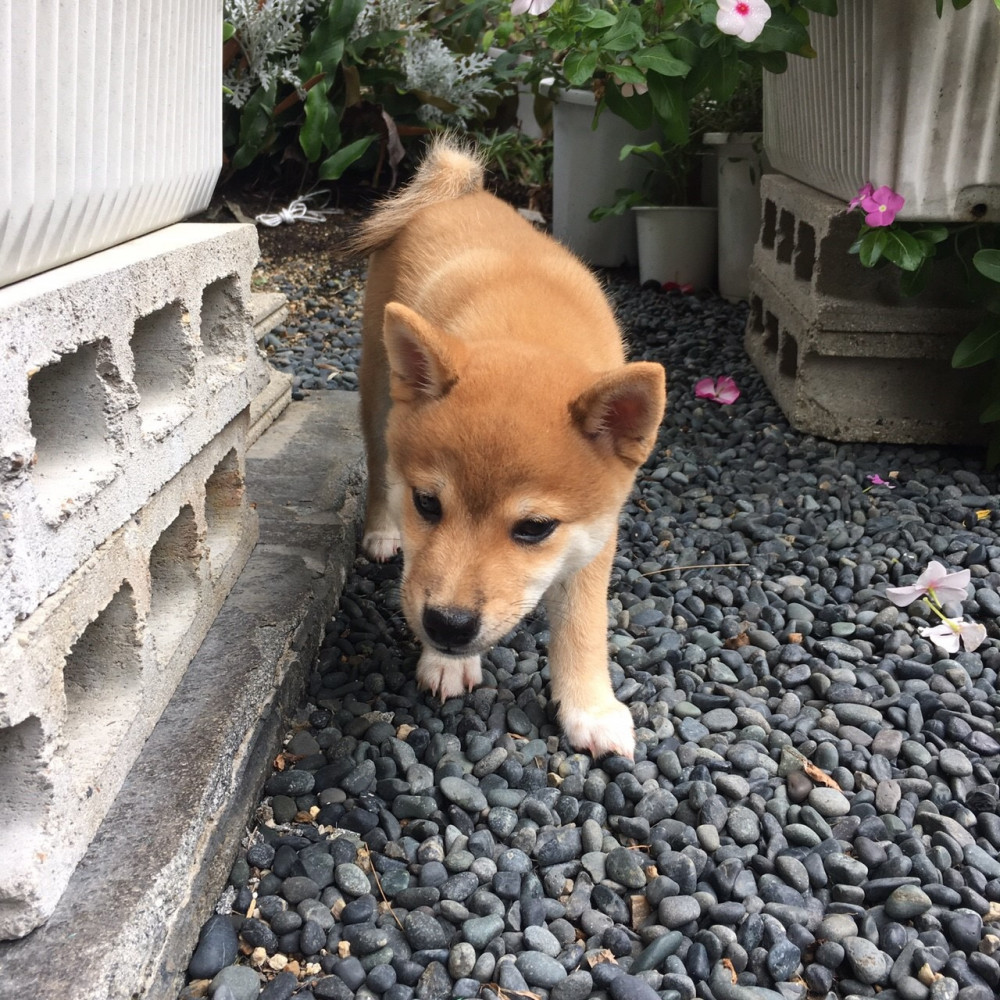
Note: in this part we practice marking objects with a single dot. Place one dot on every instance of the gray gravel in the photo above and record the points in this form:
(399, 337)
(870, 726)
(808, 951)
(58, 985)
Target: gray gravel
(813, 806)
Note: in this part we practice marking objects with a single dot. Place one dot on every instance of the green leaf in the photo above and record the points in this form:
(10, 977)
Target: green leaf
(317, 110)
(903, 249)
(626, 35)
(228, 30)
(334, 166)
(871, 245)
(932, 234)
(596, 17)
(782, 33)
(991, 413)
(913, 282)
(630, 148)
(774, 62)
(637, 110)
(628, 74)
(987, 262)
(626, 199)
(982, 344)
(660, 59)
(255, 125)
(579, 66)
(326, 43)
(670, 106)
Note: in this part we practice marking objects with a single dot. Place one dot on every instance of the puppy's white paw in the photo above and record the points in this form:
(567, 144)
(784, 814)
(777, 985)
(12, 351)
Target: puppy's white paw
(381, 545)
(448, 676)
(607, 728)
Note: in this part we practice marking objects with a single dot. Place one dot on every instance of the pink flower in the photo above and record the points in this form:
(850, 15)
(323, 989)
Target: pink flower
(531, 6)
(881, 206)
(723, 390)
(863, 192)
(743, 18)
(944, 587)
(946, 636)
(876, 480)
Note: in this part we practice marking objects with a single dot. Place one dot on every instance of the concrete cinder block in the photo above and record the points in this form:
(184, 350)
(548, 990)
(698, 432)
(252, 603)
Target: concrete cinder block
(86, 676)
(115, 370)
(130, 915)
(844, 353)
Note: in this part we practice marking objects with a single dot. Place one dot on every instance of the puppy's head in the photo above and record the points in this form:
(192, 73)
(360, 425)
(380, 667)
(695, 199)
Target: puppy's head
(508, 469)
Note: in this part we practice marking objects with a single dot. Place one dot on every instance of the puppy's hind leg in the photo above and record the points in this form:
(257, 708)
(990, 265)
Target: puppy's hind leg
(590, 715)
(381, 539)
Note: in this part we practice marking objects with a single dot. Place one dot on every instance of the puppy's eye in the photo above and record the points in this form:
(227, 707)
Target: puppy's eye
(428, 506)
(533, 530)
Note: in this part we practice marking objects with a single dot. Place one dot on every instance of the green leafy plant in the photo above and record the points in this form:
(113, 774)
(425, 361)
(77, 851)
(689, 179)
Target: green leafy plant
(650, 62)
(286, 73)
(915, 249)
(320, 80)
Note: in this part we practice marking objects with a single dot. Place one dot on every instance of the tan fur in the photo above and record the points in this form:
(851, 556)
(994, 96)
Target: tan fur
(495, 392)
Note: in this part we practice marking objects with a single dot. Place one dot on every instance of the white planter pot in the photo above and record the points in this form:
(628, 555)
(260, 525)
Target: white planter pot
(897, 97)
(110, 123)
(678, 244)
(740, 165)
(586, 173)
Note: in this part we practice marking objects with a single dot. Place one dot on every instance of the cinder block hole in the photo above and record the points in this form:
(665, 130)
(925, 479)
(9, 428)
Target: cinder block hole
(25, 789)
(769, 224)
(101, 680)
(164, 367)
(788, 356)
(223, 319)
(67, 406)
(786, 236)
(225, 493)
(174, 574)
(805, 252)
(770, 331)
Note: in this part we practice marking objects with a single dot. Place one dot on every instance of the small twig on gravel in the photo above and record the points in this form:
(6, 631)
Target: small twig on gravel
(378, 882)
(672, 569)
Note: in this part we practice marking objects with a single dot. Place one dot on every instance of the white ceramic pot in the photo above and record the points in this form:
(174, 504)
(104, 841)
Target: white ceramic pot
(740, 164)
(120, 135)
(678, 244)
(895, 96)
(587, 172)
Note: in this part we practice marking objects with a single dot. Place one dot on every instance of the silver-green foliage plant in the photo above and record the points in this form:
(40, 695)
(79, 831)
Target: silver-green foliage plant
(297, 71)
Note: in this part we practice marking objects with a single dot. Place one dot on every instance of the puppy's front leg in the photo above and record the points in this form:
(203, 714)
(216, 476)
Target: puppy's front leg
(448, 676)
(592, 718)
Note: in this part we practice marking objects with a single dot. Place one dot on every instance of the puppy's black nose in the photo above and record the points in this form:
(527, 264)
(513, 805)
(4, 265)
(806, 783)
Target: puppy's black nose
(450, 628)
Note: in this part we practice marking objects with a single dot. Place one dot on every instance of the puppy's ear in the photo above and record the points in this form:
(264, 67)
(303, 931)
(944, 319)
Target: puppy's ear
(422, 360)
(622, 410)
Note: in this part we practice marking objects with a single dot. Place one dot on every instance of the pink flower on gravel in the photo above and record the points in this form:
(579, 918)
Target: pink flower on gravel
(881, 206)
(863, 192)
(743, 18)
(531, 6)
(722, 390)
(946, 636)
(943, 587)
(876, 480)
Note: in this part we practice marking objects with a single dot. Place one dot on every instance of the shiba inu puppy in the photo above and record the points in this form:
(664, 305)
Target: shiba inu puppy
(503, 430)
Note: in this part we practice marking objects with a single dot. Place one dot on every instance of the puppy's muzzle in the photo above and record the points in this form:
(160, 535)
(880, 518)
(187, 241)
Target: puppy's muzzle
(451, 630)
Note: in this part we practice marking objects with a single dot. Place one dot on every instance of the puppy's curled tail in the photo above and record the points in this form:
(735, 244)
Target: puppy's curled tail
(449, 170)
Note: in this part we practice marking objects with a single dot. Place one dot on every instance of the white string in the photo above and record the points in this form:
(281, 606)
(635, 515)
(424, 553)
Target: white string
(299, 211)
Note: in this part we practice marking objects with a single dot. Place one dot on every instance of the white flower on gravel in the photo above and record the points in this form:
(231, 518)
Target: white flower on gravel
(947, 635)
